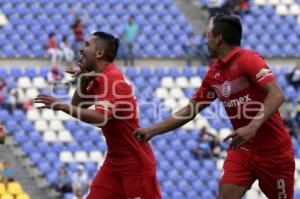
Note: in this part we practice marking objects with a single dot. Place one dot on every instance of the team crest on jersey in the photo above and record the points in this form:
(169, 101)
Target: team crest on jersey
(226, 89)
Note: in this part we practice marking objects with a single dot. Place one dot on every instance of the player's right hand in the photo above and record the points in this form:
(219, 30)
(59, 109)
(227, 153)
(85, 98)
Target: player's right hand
(143, 134)
(77, 72)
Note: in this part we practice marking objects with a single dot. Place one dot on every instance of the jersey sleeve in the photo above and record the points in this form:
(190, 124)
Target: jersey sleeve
(257, 71)
(205, 94)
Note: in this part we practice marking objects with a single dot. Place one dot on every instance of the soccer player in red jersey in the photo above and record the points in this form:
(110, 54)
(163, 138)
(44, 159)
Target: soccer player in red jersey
(103, 85)
(260, 147)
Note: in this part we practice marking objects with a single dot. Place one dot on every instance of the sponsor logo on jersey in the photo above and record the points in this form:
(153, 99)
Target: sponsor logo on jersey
(237, 102)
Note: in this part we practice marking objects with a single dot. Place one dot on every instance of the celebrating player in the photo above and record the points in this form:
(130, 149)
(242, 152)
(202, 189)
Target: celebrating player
(104, 86)
(260, 147)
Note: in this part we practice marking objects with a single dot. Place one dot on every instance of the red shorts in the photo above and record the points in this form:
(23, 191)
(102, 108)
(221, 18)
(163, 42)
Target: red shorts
(107, 185)
(274, 172)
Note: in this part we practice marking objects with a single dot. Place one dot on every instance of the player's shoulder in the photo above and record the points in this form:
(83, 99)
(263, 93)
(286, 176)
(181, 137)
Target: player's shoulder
(249, 54)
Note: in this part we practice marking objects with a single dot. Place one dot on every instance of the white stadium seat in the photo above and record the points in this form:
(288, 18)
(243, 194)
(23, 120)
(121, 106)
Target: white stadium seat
(50, 136)
(167, 82)
(220, 163)
(96, 156)
(33, 114)
(281, 10)
(224, 132)
(162, 93)
(183, 102)
(65, 136)
(60, 115)
(47, 114)
(81, 156)
(287, 2)
(189, 126)
(260, 2)
(181, 82)
(31, 93)
(298, 19)
(195, 82)
(66, 156)
(41, 125)
(176, 93)
(294, 9)
(24, 82)
(171, 103)
(201, 122)
(274, 2)
(56, 125)
(39, 82)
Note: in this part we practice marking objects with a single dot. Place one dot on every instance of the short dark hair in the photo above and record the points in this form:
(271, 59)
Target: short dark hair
(229, 27)
(111, 44)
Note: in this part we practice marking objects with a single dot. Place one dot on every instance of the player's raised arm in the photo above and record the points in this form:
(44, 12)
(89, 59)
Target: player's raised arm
(178, 119)
(86, 115)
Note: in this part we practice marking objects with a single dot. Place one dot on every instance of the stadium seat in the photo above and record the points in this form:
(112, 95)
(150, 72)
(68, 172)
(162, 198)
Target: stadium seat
(14, 188)
(7, 196)
(50, 136)
(65, 136)
(2, 189)
(66, 156)
(81, 156)
(96, 156)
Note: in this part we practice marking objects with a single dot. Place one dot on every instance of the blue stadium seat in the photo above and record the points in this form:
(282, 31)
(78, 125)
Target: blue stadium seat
(88, 146)
(18, 115)
(94, 136)
(52, 178)
(57, 147)
(44, 167)
(189, 175)
(102, 146)
(35, 137)
(9, 51)
(268, 10)
(28, 147)
(188, 72)
(177, 194)
(164, 165)
(35, 157)
(11, 126)
(42, 147)
(20, 137)
(290, 92)
(73, 146)
(174, 72)
(4, 115)
(90, 167)
(51, 157)
(131, 72)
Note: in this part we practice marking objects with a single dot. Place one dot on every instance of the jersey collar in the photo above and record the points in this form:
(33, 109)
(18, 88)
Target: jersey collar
(229, 56)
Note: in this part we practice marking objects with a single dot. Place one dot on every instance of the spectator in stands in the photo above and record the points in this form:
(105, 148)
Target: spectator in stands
(63, 184)
(195, 47)
(294, 76)
(130, 33)
(7, 172)
(2, 86)
(290, 124)
(53, 50)
(216, 7)
(68, 53)
(15, 100)
(208, 146)
(80, 179)
(239, 7)
(78, 194)
(78, 31)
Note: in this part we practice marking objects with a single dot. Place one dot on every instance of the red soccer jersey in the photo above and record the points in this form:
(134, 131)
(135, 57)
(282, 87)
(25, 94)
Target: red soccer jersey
(238, 81)
(115, 99)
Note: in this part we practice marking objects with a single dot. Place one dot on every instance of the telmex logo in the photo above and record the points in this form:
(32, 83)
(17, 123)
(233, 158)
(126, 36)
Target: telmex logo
(237, 102)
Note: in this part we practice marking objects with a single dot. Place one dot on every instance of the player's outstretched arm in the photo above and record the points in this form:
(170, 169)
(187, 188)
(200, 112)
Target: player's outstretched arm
(274, 98)
(177, 120)
(85, 115)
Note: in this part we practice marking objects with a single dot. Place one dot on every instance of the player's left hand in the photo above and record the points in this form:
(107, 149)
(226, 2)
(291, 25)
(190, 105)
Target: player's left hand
(241, 136)
(49, 102)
